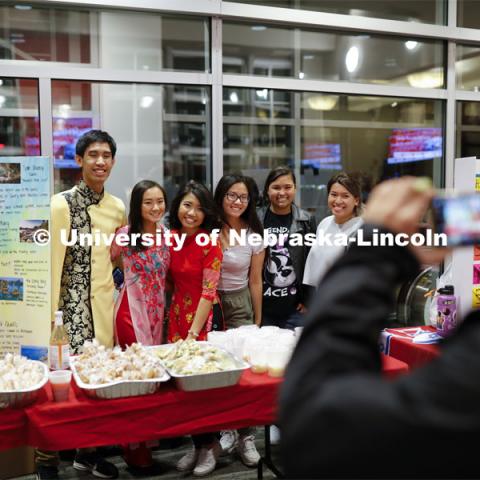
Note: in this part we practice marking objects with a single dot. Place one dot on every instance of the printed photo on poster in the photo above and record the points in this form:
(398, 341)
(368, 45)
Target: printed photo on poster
(476, 253)
(10, 173)
(28, 228)
(476, 297)
(476, 274)
(11, 289)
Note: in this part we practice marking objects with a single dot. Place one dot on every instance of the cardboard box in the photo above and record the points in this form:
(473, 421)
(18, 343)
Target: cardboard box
(16, 462)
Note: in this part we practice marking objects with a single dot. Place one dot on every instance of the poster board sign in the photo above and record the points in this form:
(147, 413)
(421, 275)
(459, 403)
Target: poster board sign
(25, 255)
(466, 260)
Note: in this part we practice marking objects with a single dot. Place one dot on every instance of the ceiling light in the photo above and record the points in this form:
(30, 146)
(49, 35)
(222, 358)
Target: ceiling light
(394, 104)
(64, 110)
(411, 45)
(322, 102)
(262, 93)
(23, 7)
(351, 59)
(2, 100)
(234, 97)
(301, 75)
(428, 79)
(1, 82)
(308, 57)
(146, 101)
(259, 28)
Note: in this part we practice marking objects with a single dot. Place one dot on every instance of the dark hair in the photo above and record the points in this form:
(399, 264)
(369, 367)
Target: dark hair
(204, 196)
(135, 214)
(349, 182)
(249, 216)
(272, 176)
(93, 136)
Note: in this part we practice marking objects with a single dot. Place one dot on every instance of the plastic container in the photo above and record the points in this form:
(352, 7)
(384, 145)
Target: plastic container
(278, 357)
(60, 382)
(257, 356)
(446, 311)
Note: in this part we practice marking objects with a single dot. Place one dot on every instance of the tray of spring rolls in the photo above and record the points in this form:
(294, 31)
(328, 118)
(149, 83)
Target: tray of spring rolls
(112, 373)
(21, 380)
(199, 365)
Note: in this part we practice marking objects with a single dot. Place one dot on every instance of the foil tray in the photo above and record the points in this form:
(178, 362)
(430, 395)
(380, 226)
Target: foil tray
(207, 381)
(22, 398)
(119, 388)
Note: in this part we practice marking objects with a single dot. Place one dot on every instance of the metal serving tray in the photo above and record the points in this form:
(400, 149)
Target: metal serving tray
(207, 381)
(21, 398)
(119, 388)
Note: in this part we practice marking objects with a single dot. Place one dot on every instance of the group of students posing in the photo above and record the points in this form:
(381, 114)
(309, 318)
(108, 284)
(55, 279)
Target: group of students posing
(214, 286)
(224, 285)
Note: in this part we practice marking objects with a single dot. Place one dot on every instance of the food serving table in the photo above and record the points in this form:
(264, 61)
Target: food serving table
(13, 428)
(399, 343)
(84, 422)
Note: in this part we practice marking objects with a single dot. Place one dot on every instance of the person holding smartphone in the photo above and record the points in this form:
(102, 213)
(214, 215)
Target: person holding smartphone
(424, 424)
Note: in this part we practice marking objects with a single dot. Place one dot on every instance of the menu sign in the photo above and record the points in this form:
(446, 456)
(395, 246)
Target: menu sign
(25, 255)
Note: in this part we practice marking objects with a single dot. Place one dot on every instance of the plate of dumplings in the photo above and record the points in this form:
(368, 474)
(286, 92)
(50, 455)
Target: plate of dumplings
(112, 373)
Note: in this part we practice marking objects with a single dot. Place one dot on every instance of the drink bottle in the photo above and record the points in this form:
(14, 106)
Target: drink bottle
(59, 345)
(446, 310)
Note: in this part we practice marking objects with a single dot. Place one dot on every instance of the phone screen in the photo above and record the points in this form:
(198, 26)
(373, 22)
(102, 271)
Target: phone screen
(458, 217)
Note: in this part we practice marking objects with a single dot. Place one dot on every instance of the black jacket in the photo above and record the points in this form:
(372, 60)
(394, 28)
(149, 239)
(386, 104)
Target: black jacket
(303, 223)
(341, 418)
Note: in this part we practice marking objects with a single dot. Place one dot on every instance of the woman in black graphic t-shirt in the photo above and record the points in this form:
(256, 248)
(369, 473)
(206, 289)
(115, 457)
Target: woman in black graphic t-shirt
(283, 292)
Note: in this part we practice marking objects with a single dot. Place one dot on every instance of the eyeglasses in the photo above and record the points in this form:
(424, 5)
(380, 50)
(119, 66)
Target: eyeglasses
(233, 197)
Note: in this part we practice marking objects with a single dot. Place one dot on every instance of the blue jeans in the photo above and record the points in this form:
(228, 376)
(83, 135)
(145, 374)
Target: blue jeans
(295, 319)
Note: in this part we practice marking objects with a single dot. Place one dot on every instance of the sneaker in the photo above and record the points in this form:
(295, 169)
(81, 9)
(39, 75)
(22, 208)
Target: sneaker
(228, 440)
(248, 451)
(47, 472)
(274, 435)
(188, 461)
(94, 463)
(207, 460)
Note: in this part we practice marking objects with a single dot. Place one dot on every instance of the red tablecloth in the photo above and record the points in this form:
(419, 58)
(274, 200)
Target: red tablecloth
(13, 428)
(393, 367)
(14, 425)
(82, 421)
(398, 343)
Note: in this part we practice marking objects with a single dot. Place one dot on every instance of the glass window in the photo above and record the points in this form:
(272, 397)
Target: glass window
(263, 50)
(425, 11)
(467, 67)
(162, 132)
(468, 129)
(379, 137)
(104, 38)
(468, 13)
(19, 124)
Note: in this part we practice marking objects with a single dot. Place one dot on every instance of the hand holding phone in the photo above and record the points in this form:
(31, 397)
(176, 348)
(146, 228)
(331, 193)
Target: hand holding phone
(458, 216)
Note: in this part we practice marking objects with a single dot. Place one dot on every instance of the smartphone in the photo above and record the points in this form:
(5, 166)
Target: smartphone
(458, 216)
(117, 277)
